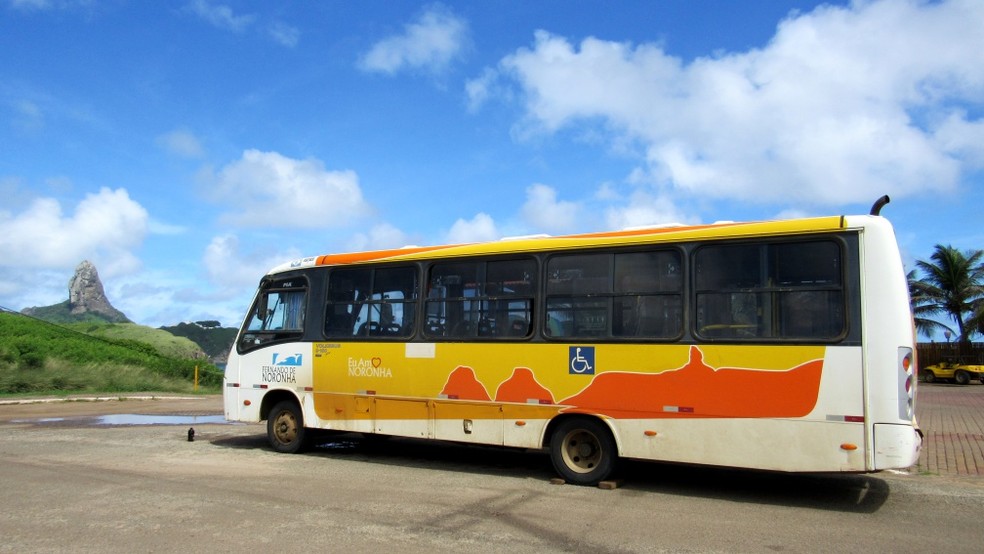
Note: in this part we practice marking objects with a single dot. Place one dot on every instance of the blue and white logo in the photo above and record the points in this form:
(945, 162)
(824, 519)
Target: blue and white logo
(581, 360)
(289, 360)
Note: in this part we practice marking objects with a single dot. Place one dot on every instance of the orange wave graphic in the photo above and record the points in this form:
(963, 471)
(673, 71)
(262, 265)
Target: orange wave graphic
(464, 385)
(521, 386)
(697, 390)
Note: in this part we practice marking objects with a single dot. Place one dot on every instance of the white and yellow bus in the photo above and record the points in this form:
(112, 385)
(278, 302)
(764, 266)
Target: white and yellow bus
(783, 345)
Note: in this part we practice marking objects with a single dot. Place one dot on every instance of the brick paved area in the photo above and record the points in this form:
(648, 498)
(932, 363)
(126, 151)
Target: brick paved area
(952, 420)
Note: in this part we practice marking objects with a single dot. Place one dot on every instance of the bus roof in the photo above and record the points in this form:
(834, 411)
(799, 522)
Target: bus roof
(651, 235)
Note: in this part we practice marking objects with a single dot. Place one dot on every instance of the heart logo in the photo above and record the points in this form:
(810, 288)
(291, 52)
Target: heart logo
(376, 362)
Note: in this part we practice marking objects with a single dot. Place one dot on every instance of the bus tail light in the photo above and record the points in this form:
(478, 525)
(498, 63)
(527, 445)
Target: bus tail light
(907, 384)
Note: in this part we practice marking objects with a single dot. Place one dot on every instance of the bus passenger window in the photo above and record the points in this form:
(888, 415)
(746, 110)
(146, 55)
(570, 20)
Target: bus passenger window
(628, 295)
(480, 299)
(787, 291)
(371, 302)
(579, 290)
(648, 295)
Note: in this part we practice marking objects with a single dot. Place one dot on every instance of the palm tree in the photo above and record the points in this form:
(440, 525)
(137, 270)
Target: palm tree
(953, 286)
(923, 310)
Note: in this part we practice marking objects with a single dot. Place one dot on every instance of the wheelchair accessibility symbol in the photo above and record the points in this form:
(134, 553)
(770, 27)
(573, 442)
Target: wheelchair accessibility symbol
(582, 359)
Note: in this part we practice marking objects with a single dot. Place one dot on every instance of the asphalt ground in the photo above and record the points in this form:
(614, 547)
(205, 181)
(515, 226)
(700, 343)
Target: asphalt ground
(951, 418)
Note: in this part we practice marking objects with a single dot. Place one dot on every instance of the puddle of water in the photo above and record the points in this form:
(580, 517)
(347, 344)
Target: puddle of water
(129, 419)
(141, 419)
(337, 445)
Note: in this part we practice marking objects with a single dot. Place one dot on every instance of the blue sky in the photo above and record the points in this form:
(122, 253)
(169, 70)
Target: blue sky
(186, 147)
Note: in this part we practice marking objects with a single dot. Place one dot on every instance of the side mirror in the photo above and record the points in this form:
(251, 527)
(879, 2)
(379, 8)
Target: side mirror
(263, 307)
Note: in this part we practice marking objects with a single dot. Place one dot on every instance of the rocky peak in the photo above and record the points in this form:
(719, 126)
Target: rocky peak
(86, 294)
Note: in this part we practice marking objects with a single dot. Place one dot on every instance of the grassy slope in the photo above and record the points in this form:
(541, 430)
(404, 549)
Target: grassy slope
(39, 357)
(161, 340)
(214, 340)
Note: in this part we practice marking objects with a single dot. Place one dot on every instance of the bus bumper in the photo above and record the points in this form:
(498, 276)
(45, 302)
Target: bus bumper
(896, 446)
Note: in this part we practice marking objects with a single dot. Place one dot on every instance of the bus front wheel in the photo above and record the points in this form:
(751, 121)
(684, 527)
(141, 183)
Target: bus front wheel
(583, 451)
(285, 427)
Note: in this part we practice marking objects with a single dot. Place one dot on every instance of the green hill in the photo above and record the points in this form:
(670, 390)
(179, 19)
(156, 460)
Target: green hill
(41, 357)
(213, 339)
(62, 313)
(164, 342)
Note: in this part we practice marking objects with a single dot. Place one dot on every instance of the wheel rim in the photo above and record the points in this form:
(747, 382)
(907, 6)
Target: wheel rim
(285, 427)
(582, 451)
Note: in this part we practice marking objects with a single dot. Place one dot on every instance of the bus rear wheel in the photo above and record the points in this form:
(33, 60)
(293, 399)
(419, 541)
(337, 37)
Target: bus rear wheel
(583, 451)
(285, 427)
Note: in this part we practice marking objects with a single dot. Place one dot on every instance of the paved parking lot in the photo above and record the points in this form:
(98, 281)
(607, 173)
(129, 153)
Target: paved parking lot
(952, 421)
(951, 418)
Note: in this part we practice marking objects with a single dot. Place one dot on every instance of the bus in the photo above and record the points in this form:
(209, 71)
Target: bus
(773, 345)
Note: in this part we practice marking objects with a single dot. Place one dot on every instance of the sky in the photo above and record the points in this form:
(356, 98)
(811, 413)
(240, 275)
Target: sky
(187, 147)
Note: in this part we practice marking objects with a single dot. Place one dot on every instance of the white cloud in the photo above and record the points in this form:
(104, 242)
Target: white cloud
(169, 295)
(481, 88)
(843, 105)
(228, 264)
(480, 228)
(29, 117)
(30, 4)
(220, 15)
(542, 211)
(40, 5)
(380, 237)
(156, 227)
(285, 34)
(267, 189)
(431, 42)
(642, 209)
(963, 137)
(106, 227)
(182, 143)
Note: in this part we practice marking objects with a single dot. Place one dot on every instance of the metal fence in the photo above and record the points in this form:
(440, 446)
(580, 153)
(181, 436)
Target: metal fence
(935, 352)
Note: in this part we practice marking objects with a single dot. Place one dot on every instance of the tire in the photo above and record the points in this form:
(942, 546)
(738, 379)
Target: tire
(961, 377)
(583, 451)
(285, 427)
(928, 376)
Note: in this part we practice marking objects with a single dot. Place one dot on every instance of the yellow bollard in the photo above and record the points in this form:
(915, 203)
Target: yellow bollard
(196, 378)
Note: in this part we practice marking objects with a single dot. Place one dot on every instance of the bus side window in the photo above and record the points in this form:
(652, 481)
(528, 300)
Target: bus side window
(785, 291)
(579, 289)
(811, 299)
(487, 299)
(648, 295)
(371, 302)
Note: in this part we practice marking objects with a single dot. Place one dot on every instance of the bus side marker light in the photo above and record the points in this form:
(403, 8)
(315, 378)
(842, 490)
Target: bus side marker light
(246, 402)
(849, 447)
(520, 423)
(650, 433)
